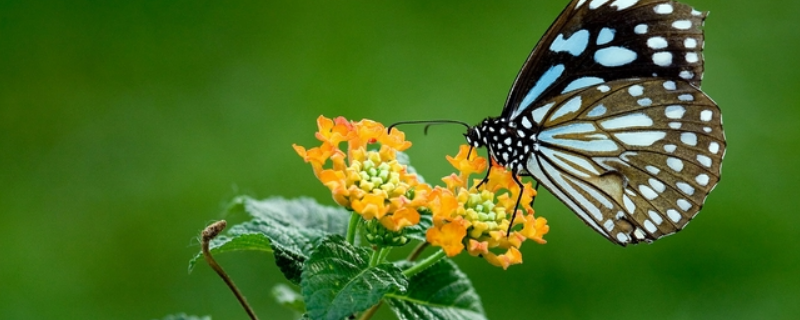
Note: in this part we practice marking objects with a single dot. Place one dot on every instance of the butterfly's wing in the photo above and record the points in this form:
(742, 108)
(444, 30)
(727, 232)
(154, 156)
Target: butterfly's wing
(635, 159)
(596, 41)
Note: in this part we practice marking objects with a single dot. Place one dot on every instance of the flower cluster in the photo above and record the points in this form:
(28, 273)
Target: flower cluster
(371, 183)
(477, 219)
(375, 185)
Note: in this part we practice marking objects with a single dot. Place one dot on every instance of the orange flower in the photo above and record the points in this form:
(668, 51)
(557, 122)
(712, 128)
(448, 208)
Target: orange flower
(478, 220)
(372, 183)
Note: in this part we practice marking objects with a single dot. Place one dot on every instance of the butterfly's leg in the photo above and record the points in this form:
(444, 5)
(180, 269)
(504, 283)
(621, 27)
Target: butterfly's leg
(485, 179)
(519, 198)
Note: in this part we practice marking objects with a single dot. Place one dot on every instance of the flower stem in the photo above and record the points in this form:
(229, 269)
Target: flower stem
(384, 253)
(369, 313)
(351, 228)
(417, 251)
(206, 236)
(424, 264)
(374, 259)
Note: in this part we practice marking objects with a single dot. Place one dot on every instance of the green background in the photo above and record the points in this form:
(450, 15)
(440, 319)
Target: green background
(125, 128)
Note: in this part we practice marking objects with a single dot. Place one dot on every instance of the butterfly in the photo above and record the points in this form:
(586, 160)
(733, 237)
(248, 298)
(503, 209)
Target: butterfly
(607, 114)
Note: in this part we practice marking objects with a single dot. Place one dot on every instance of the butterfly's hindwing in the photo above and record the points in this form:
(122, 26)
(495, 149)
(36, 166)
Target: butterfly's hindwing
(597, 41)
(635, 159)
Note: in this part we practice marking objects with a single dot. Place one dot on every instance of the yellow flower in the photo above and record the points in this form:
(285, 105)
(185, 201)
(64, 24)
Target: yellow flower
(369, 182)
(477, 220)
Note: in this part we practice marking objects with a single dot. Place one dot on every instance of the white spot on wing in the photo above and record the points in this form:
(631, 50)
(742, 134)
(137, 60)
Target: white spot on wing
(704, 160)
(623, 4)
(655, 217)
(574, 45)
(629, 205)
(540, 112)
(663, 9)
(640, 138)
(657, 185)
(597, 111)
(545, 81)
(682, 24)
(670, 148)
(606, 35)
(650, 226)
(652, 169)
(640, 29)
(647, 192)
(685, 187)
(689, 138)
(662, 59)
(674, 215)
(692, 57)
(702, 179)
(597, 3)
(646, 102)
(674, 112)
(670, 85)
(568, 107)
(582, 82)
(706, 115)
(675, 164)
(614, 56)
(690, 43)
(713, 147)
(657, 43)
(609, 225)
(636, 90)
(627, 121)
(684, 205)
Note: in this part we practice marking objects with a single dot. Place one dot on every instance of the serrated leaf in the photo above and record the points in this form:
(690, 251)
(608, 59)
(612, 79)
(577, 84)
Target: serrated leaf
(288, 297)
(438, 292)
(293, 227)
(183, 316)
(338, 281)
(236, 242)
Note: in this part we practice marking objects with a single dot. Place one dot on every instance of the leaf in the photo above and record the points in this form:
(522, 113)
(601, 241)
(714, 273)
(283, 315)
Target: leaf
(287, 297)
(237, 242)
(183, 316)
(292, 228)
(439, 292)
(338, 281)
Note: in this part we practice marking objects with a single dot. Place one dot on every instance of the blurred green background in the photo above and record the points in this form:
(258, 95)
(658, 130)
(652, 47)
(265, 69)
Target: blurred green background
(125, 127)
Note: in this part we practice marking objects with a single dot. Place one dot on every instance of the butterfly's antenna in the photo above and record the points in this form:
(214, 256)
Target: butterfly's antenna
(428, 123)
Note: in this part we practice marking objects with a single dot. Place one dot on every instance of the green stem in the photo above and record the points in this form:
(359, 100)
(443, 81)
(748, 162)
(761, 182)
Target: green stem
(384, 253)
(375, 258)
(424, 264)
(351, 228)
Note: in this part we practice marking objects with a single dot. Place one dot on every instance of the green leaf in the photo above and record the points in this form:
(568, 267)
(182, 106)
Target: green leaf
(183, 316)
(439, 292)
(291, 227)
(287, 297)
(237, 242)
(338, 281)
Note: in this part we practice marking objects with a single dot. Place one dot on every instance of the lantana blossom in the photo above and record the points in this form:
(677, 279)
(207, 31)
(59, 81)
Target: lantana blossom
(369, 182)
(477, 219)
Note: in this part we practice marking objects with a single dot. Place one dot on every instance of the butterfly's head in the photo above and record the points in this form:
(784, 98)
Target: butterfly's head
(473, 137)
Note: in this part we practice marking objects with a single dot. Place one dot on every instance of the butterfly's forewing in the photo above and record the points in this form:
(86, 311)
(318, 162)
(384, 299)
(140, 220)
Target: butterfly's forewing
(596, 41)
(635, 158)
